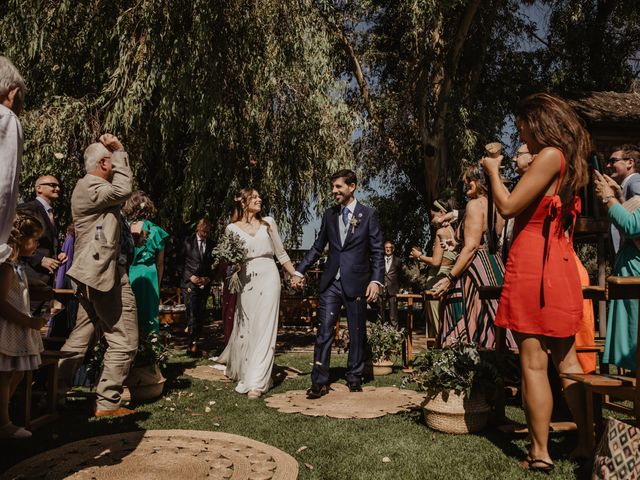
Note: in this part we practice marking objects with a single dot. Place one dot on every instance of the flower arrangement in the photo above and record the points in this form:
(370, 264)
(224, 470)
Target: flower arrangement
(462, 368)
(232, 250)
(383, 341)
(153, 350)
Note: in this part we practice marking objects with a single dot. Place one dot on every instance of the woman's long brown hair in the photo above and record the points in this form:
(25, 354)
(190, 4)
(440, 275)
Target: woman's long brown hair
(553, 123)
(241, 199)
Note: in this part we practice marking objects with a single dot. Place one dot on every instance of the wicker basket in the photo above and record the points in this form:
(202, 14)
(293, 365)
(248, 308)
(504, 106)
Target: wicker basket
(382, 367)
(457, 414)
(145, 383)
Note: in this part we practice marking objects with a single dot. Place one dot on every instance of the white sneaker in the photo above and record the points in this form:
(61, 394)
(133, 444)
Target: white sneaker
(13, 432)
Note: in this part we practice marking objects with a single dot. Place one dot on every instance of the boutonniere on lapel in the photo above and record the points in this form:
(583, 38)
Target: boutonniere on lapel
(354, 222)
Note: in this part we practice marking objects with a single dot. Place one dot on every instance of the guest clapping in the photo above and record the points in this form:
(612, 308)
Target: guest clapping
(622, 315)
(466, 316)
(541, 298)
(441, 260)
(145, 272)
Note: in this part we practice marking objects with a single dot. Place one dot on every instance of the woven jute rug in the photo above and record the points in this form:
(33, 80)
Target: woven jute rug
(207, 372)
(372, 402)
(160, 455)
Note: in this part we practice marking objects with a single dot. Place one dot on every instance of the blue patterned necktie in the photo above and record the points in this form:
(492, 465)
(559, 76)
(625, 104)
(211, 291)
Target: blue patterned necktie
(345, 216)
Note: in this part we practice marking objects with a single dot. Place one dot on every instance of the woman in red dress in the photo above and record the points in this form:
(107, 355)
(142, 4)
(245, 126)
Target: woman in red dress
(541, 300)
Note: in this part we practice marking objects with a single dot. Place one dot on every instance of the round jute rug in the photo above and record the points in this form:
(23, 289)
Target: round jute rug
(372, 402)
(207, 372)
(160, 455)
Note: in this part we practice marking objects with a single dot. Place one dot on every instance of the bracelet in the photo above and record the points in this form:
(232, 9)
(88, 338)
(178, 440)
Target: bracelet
(606, 199)
(450, 277)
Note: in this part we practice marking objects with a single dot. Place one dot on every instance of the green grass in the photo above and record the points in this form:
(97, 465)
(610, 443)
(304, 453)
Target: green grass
(337, 449)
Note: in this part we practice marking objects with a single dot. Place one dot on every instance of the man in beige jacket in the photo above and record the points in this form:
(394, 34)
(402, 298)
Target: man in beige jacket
(99, 270)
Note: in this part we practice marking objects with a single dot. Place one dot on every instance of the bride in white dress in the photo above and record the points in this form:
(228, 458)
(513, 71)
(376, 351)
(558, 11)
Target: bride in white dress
(250, 351)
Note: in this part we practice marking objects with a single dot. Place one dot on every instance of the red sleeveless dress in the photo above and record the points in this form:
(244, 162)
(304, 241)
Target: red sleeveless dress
(541, 293)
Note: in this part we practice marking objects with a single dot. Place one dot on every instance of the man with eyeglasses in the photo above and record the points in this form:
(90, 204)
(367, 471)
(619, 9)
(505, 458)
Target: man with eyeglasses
(623, 165)
(41, 266)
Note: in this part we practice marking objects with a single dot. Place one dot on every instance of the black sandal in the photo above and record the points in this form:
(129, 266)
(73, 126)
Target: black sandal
(537, 465)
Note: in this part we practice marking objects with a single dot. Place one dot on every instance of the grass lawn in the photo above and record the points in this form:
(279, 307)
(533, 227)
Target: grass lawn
(336, 449)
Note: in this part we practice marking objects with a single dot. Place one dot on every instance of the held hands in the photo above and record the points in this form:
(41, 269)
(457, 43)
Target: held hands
(373, 291)
(297, 282)
(62, 258)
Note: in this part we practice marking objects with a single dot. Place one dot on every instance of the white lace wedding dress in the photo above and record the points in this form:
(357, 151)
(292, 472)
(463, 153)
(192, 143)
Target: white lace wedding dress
(249, 354)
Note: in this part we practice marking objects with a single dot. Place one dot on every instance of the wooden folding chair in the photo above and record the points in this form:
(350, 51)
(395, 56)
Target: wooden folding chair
(619, 387)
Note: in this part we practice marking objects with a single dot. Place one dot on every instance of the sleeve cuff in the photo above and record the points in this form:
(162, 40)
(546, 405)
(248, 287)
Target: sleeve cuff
(298, 274)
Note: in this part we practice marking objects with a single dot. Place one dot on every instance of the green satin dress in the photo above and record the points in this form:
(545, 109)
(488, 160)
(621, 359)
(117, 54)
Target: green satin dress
(143, 277)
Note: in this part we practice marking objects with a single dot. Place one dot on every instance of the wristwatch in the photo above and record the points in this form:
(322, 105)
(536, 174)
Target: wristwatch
(606, 199)
(450, 276)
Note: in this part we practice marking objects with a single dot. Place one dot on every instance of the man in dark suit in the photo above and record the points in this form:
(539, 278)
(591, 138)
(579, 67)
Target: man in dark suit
(352, 276)
(392, 271)
(196, 260)
(41, 266)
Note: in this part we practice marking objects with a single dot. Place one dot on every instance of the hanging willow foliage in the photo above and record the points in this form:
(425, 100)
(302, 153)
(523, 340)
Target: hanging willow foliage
(206, 96)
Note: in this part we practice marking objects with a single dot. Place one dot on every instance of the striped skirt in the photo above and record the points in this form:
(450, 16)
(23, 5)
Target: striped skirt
(466, 317)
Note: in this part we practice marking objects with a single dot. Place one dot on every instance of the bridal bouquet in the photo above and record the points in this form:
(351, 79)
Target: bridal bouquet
(231, 250)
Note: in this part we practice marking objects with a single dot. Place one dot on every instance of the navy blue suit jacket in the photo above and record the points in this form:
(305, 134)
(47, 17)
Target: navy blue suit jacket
(360, 259)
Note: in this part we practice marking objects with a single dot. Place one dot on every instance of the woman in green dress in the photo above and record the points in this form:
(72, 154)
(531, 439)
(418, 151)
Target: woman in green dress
(622, 317)
(145, 272)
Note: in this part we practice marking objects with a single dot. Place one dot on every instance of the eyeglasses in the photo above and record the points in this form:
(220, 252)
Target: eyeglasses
(52, 185)
(617, 159)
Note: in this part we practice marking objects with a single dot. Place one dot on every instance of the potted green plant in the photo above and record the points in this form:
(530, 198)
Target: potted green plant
(145, 380)
(457, 380)
(384, 342)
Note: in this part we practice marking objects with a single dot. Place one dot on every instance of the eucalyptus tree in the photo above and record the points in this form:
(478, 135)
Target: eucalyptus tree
(207, 96)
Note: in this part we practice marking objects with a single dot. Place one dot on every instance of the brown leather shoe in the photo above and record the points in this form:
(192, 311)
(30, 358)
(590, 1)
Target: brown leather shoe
(194, 351)
(118, 412)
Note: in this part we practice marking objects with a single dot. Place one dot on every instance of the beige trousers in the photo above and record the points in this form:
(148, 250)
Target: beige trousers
(112, 314)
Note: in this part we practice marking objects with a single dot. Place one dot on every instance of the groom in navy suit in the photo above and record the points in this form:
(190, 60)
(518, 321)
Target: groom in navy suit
(353, 275)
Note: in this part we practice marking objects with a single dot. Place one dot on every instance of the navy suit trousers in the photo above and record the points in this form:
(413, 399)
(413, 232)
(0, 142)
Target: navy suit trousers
(331, 301)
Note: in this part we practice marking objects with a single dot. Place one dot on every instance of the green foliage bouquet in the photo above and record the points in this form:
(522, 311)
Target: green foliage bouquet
(231, 250)
(461, 367)
(383, 341)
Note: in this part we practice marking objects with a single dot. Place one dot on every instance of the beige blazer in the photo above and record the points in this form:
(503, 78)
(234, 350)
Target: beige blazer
(96, 201)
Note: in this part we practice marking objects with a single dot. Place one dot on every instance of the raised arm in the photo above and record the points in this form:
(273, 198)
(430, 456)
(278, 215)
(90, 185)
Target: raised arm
(539, 179)
(107, 194)
(627, 222)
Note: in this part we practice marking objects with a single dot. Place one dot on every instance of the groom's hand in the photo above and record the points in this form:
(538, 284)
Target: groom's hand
(297, 282)
(373, 290)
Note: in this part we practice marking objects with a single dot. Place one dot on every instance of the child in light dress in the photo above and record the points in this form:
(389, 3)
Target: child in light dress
(20, 339)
